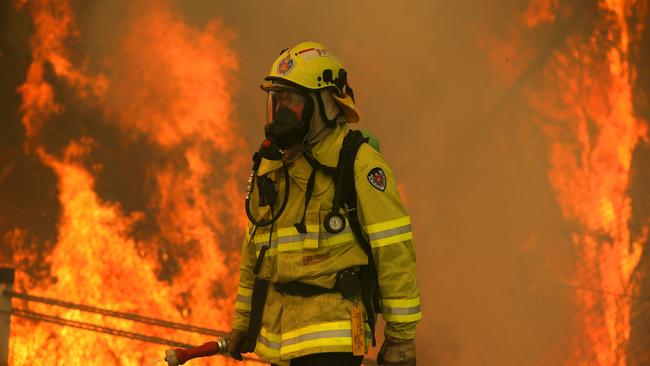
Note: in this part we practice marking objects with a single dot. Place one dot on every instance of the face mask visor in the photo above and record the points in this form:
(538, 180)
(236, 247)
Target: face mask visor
(287, 106)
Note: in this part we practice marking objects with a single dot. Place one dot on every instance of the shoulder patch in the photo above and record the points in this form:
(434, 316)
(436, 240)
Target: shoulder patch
(377, 178)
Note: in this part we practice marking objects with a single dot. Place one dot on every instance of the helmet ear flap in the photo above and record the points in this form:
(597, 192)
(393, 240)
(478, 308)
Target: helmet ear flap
(329, 123)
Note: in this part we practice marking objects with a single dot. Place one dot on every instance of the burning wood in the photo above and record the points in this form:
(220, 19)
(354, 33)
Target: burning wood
(167, 91)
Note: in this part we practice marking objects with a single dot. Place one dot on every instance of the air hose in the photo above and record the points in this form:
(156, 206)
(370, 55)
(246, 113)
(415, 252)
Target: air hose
(267, 194)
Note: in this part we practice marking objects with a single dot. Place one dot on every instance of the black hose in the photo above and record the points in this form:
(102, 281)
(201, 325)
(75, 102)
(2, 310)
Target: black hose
(274, 217)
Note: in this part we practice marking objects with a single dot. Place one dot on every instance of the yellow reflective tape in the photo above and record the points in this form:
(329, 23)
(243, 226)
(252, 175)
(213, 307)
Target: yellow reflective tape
(316, 328)
(268, 344)
(243, 300)
(244, 291)
(288, 239)
(409, 318)
(242, 306)
(401, 310)
(338, 239)
(401, 303)
(270, 336)
(310, 244)
(334, 334)
(265, 351)
(263, 238)
(287, 231)
(391, 240)
(387, 225)
(290, 247)
(322, 342)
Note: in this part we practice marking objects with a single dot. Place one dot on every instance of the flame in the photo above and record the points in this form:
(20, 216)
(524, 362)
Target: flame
(540, 11)
(53, 23)
(169, 89)
(584, 101)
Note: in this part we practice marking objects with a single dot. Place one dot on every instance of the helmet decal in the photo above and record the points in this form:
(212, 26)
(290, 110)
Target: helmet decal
(310, 53)
(286, 65)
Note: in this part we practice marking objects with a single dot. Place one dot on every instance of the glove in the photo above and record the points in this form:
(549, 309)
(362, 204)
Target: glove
(397, 352)
(239, 343)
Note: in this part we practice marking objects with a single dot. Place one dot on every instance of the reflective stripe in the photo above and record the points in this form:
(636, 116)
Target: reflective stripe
(268, 344)
(401, 310)
(295, 241)
(389, 232)
(243, 300)
(391, 240)
(262, 239)
(333, 334)
(244, 291)
(333, 239)
(387, 225)
(258, 246)
(318, 335)
(288, 239)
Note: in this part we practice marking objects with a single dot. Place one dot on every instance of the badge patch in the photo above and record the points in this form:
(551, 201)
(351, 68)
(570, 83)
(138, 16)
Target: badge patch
(285, 65)
(377, 178)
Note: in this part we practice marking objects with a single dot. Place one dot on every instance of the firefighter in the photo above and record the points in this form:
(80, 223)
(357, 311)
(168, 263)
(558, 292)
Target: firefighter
(322, 202)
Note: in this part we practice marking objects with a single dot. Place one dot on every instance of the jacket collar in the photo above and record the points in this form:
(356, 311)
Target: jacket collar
(325, 151)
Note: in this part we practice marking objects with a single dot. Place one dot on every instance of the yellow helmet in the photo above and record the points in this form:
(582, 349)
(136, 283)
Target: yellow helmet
(310, 65)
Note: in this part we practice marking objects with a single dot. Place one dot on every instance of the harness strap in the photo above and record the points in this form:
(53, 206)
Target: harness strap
(296, 288)
(348, 284)
(317, 165)
(258, 297)
(369, 279)
(300, 226)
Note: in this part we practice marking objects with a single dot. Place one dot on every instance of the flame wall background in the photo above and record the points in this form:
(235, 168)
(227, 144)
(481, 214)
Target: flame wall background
(451, 89)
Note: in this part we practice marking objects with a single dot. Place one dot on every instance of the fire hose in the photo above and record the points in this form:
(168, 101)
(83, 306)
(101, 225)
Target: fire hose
(178, 356)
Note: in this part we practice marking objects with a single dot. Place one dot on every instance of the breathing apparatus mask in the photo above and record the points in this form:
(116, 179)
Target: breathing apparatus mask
(288, 113)
(291, 120)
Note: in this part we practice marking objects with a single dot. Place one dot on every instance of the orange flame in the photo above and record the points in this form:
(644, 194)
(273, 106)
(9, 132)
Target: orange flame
(585, 100)
(53, 23)
(590, 173)
(171, 85)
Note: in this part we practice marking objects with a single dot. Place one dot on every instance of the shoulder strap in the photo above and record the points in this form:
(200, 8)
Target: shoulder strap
(346, 180)
(351, 144)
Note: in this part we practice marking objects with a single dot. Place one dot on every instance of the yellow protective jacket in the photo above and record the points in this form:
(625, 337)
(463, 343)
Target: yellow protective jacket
(294, 326)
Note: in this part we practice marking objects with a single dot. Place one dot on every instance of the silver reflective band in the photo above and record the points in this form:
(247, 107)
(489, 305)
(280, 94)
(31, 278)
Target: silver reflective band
(244, 299)
(390, 232)
(400, 311)
(323, 334)
(297, 238)
(268, 343)
(274, 244)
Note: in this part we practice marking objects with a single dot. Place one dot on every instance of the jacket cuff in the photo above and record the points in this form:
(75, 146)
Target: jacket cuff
(400, 330)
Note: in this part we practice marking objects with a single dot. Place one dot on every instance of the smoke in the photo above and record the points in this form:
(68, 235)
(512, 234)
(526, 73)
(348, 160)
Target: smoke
(489, 235)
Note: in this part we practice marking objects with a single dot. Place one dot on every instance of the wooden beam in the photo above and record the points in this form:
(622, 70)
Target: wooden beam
(6, 283)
